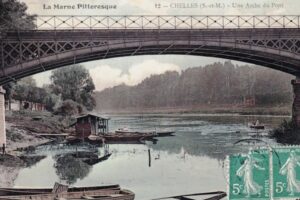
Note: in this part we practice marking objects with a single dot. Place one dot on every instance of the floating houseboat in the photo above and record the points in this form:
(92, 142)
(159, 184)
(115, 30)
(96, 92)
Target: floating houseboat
(90, 126)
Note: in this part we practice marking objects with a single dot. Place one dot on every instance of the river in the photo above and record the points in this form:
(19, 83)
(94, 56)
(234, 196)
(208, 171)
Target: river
(192, 161)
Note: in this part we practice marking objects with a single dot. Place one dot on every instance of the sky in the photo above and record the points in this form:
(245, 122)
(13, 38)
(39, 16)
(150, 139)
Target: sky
(132, 70)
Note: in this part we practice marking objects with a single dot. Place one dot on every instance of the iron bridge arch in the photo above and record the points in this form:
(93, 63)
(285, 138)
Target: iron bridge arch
(60, 41)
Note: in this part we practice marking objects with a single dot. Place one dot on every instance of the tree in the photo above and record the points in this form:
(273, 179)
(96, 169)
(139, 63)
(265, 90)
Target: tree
(74, 83)
(25, 90)
(69, 107)
(214, 84)
(50, 100)
(9, 88)
(13, 16)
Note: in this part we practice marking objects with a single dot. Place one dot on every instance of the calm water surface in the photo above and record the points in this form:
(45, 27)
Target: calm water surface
(192, 161)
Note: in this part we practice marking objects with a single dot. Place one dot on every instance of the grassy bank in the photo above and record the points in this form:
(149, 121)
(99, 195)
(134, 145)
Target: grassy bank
(23, 128)
(22, 131)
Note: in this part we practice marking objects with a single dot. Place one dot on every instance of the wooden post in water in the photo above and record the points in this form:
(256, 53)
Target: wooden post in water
(149, 155)
(2, 120)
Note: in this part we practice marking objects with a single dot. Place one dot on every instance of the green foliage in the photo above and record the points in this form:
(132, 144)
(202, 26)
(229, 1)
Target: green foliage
(50, 100)
(214, 84)
(286, 133)
(13, 16)
(14, 136)
(74, 83)
(26, 90)
(69, 108)
(9, 88)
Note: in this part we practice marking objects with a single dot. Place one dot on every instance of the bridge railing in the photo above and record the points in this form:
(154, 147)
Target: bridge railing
(165, 22)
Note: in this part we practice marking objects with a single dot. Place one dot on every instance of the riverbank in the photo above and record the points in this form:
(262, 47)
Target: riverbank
(22, 131)
(286, 133)
(213, 109)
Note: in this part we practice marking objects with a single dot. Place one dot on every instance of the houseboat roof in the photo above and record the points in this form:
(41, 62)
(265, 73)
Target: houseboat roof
(92, 114)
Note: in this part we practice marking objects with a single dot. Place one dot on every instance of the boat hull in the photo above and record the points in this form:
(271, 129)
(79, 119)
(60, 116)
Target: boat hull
(128, 137)
(257, 127)
(100, 193)
(165, 134)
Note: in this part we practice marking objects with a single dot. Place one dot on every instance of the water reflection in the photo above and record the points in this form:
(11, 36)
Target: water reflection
(192, 161)
(70, 169)
(202, 135)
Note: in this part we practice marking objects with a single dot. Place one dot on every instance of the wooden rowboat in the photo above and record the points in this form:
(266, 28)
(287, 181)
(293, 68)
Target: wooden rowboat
(257, 126)
(154, 133)
(164, 133)
(128, 137)
(95, 161)
(111, 192)
(218, 195)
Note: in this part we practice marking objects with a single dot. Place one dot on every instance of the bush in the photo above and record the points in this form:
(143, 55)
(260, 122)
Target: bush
(69, 107)
(286, 133)
(14, 136)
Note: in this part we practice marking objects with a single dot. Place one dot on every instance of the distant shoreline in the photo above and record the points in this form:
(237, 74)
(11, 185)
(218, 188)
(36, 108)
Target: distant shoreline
(284, 110)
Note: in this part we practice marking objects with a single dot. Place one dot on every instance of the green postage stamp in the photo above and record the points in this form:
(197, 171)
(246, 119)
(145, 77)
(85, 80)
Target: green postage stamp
(249, 175)
(286, 173)
(265, 174)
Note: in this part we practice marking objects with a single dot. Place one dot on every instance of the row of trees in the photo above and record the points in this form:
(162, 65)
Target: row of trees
(71, 88)
(70, 91)
(25, 90)
(218, 83)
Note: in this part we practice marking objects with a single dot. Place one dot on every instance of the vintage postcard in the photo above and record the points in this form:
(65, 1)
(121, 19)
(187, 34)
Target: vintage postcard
(149, 99)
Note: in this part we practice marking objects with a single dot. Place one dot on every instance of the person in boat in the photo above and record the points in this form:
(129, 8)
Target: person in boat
(256, 123)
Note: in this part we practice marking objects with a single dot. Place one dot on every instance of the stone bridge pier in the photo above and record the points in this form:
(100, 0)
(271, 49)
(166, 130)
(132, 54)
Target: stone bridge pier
(296, 101)
(2, 119)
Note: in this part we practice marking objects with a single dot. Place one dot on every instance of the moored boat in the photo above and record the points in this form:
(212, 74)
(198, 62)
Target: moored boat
(256, 125)
(126, 131)
(128, 137)
(95, 161)
(155, 133)
(72, 138)
(18, 191)
(96, 138)
(164, 133)
(218, 195)
(112, 192)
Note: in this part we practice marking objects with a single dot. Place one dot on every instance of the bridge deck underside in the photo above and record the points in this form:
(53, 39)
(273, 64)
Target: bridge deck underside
(31, 52)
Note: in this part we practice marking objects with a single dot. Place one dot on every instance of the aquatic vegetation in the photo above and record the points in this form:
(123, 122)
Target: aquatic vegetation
(286, 133)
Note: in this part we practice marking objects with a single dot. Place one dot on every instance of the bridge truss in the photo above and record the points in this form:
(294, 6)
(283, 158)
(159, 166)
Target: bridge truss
(166, 22)
(272, 41)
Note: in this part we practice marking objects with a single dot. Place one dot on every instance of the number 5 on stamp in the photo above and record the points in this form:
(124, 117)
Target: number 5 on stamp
(286, 173)
(249, 176)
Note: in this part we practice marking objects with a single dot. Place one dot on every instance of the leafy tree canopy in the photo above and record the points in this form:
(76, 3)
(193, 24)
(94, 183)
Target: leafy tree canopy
(74, 83)
(13, 15)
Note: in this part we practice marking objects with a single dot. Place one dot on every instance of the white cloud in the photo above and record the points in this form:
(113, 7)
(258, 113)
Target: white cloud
(105, 76)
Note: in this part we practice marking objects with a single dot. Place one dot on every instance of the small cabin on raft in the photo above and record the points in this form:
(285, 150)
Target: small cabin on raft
(90, 124)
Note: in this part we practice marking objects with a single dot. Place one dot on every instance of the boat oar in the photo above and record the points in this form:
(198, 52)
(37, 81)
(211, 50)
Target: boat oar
(185, 196)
